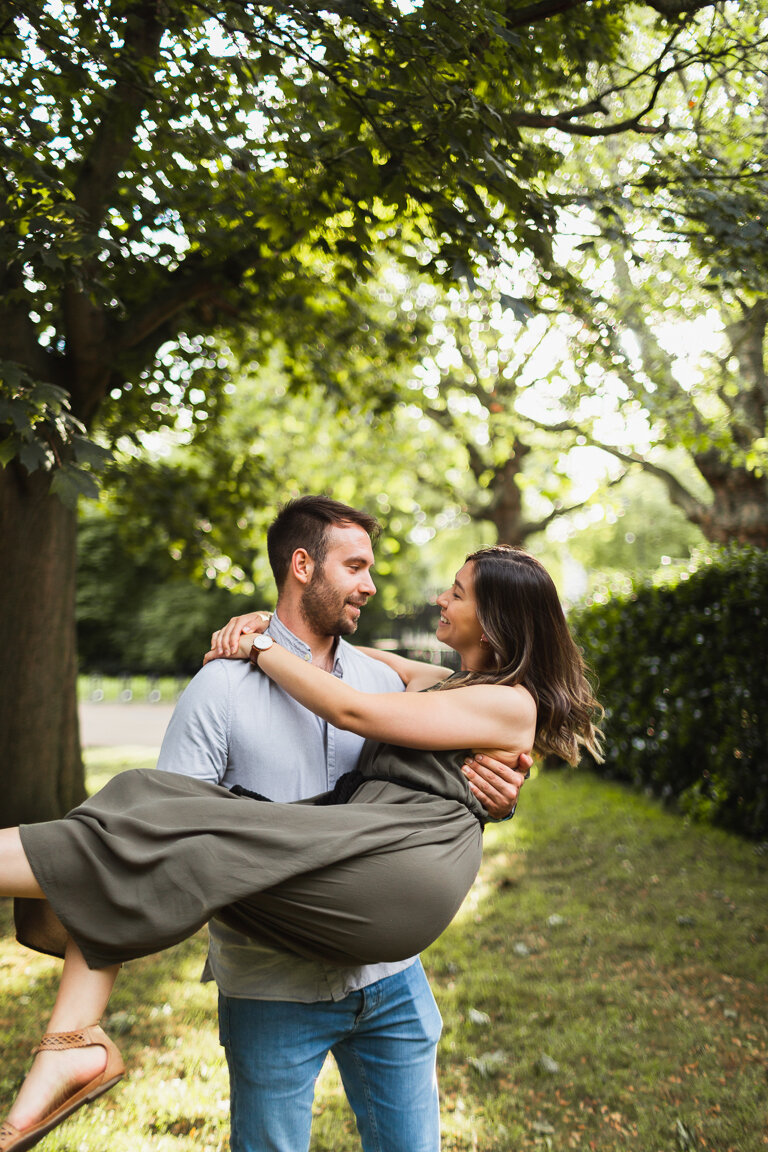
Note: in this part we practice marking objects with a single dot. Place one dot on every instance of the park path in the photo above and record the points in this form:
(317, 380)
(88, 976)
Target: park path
(105, 725)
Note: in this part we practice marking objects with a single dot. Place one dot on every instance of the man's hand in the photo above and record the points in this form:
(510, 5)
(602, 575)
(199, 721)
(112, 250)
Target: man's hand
(225, 642)
(496, 780)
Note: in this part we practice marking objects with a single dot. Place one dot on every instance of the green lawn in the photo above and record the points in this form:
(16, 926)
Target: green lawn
(603, 989)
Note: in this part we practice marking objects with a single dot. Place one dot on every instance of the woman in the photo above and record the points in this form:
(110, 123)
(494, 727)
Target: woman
(378, 876)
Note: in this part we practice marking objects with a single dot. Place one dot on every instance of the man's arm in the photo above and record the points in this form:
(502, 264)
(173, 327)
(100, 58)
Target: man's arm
(496, 780)
(415, 674)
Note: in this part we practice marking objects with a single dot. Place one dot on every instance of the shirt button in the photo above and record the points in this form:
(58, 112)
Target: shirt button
(307, 655)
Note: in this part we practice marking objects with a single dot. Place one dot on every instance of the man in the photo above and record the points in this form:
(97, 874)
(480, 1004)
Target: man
(281, 1014)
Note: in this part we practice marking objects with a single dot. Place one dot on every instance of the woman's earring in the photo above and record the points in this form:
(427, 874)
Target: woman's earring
(484, 639)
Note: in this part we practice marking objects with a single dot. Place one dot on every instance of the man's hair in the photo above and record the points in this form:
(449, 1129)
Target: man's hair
(304, 523)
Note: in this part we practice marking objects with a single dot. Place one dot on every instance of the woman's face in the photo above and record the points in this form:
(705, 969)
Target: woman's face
(459, 626)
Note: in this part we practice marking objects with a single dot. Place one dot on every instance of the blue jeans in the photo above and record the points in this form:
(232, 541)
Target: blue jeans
(384, 1039)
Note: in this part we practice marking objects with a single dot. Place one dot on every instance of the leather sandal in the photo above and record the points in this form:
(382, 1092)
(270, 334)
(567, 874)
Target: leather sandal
(12, 1140)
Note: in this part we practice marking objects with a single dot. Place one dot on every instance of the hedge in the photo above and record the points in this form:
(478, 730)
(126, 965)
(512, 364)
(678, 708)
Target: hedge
(683, 675)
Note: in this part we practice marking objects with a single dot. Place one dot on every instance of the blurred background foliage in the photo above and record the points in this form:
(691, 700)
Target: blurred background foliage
(490, 271)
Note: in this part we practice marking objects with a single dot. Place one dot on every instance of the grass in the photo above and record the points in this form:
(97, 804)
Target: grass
(603, 989)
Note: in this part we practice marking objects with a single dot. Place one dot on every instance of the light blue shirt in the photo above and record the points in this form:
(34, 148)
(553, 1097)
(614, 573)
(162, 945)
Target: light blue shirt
(232, 726)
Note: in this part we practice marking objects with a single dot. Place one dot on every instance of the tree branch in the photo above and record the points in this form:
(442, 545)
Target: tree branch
(444, 419)
(531, 527)
(190, 284)
(562, 123)
(693, 508)
(112, 141)
(684, 60)
(671, 9)
(545, 9)
(533, 13)
(678, 493)
(85, 320)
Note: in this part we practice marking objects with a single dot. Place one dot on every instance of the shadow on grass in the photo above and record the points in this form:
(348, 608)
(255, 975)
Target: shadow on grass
(604, 985)
(603, 989)
(164, 1021)
(176, 1094)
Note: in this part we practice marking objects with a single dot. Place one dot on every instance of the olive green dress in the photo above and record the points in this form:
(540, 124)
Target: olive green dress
(154, 855)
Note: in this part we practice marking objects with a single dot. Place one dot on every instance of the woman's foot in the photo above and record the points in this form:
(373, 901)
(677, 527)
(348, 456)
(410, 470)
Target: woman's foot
(52, 1079)
(70, 1069)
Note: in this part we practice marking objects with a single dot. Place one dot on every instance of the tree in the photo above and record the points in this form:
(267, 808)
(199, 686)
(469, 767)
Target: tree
(171, 168)
(681, 239)
(475, 385)
(138, 609)
(718, 412)
(453, 453)
(634, 536)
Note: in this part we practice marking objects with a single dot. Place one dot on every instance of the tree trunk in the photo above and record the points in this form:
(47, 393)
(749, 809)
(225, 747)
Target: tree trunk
(41, 770)
(738, 513)
(506, 517)
(506, 508)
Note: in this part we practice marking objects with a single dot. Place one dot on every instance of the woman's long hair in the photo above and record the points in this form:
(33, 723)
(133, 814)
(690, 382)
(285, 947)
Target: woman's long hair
(530, 643)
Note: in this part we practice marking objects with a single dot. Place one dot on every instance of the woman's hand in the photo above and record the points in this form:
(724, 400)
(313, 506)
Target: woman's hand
(225, 642)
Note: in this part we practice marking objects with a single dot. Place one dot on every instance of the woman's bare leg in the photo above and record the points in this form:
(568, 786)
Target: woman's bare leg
(81, 1000)
(16, 876)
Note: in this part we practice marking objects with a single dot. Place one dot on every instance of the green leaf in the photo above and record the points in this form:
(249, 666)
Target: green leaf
(70, 483)
(33, 455)
(89, 452)
(8, 450)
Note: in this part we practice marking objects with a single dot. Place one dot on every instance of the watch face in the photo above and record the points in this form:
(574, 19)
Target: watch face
(262, 642)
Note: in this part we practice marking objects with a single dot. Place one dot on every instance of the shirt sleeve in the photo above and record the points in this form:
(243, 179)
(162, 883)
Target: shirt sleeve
(197, 738)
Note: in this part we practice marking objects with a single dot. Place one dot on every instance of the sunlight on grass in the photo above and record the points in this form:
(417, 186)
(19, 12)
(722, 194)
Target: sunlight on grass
(103, 763)
(608, 990)
(603, 989)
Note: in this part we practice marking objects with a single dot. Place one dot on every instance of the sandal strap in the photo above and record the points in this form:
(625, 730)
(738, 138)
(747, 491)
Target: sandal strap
(58, 1041)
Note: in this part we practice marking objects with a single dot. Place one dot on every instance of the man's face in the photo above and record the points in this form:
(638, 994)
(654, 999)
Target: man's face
(334, 596)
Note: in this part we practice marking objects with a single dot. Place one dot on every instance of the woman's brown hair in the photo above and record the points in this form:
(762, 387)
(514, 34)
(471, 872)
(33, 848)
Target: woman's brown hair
(530, 644)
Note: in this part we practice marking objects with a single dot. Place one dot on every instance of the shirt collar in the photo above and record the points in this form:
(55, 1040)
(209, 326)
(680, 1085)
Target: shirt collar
(278, 631)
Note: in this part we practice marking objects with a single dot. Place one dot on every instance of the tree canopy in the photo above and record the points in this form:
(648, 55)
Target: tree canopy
(668, 258)
(169, 168)
(173, 170)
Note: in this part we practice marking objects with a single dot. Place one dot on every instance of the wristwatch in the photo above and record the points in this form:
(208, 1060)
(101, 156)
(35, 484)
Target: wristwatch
(260, 644)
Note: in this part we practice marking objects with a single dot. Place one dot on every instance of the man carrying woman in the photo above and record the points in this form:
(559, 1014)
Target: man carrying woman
(375, 878)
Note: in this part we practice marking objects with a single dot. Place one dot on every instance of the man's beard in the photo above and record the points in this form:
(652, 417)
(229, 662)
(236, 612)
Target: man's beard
(323, 609)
